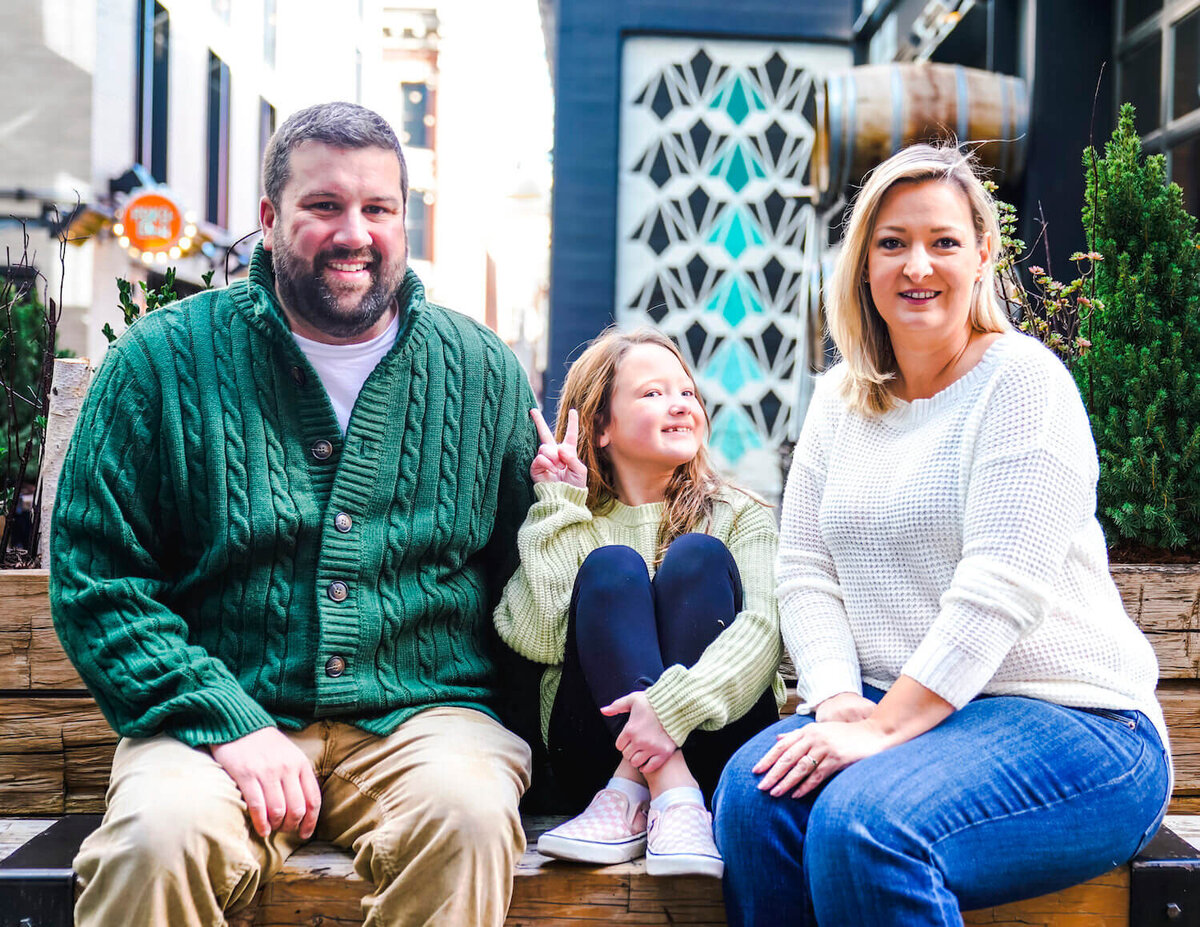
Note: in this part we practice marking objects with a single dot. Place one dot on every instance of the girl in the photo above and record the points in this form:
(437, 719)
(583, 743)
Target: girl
(646, 585)
(980, 723)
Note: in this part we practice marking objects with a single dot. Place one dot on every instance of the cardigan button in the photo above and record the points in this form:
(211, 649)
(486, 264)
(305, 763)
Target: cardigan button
(335, 666)
(343, 522)
(338, 591)
(322, 450)
(299, 375)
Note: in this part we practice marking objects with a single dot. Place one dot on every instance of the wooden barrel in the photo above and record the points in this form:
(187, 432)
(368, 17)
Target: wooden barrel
(866, 114)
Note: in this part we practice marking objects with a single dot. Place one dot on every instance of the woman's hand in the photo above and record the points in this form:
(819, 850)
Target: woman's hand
(845, 706)
(557, 463)
(644, 741)
(804, 758)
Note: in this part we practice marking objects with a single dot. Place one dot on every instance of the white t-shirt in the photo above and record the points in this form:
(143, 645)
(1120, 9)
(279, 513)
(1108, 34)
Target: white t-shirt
(344, 368)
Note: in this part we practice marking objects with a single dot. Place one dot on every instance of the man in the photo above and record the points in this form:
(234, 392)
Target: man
(287, 511)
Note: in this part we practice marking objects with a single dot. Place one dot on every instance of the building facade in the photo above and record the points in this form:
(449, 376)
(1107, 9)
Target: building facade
(110, 96)
(695, 143)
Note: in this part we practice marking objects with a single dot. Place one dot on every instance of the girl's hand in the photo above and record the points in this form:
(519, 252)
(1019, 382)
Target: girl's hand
(557, 463)
(804, 758)
(845, 706)
(644, 741)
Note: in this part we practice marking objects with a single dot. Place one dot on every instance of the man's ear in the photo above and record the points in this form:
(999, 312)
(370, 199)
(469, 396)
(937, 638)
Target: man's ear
(267, 217)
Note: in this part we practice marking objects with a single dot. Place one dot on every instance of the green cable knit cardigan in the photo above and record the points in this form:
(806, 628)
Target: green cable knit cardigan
(223, 560)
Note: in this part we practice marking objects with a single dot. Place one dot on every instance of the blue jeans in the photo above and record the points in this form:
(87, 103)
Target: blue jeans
(1008, 798)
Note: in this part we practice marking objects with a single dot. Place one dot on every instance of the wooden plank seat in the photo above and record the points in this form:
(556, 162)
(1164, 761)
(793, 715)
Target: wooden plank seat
(56, 749)
(318, 885)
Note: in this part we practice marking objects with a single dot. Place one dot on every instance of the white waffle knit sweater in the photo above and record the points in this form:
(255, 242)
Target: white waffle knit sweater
(954, 540)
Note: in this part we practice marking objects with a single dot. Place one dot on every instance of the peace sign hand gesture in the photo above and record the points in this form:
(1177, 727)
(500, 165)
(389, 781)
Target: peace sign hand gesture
(557, 463)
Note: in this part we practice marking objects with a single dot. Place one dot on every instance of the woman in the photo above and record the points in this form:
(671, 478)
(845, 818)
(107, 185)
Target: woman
(979, 721)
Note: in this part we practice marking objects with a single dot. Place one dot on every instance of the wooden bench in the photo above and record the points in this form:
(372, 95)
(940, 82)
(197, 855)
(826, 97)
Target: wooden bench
(318, 885)
(56, 749)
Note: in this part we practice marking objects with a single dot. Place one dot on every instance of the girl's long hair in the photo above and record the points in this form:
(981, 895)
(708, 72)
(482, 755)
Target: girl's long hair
(855, 324)
(693, 486)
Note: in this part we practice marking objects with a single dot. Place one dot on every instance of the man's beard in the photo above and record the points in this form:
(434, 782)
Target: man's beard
(305, 291)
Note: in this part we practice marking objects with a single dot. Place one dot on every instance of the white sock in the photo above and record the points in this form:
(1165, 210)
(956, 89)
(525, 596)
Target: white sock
(675, 796)
(634, 791)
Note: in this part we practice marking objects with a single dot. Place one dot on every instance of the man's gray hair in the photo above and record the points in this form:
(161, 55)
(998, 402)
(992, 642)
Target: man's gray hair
(340, 125)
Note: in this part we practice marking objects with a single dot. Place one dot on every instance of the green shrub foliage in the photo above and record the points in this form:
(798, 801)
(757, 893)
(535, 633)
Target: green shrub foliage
(1141, 377)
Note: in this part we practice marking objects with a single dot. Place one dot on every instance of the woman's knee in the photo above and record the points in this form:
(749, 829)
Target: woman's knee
(743, 814)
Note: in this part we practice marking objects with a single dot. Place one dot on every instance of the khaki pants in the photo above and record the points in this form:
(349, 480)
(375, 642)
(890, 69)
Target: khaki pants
(429, 811)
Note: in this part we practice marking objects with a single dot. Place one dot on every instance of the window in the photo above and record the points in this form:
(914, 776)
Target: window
(1185, 171)
(266, 128)
(417, 118)
(1186, 96)
(1141, 71)
(1136, 11)
(154, 48)
(418, 225)
(269, 32)
(1158, 71)
(217, 205)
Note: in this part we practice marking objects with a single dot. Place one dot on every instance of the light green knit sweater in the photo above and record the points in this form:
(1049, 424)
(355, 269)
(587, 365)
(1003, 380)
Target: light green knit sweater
(558, 534)
(222, 559)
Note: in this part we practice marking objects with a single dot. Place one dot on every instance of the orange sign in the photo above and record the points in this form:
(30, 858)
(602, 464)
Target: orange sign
(152, 222)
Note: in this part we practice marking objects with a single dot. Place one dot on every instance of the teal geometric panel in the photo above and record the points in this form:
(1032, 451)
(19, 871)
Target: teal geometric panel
(719, 243)
(733, 365)
(734, 434)
(736, 231)
(734, 299)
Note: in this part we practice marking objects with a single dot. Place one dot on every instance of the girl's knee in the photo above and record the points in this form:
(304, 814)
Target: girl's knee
(613, 566)
(692, 555)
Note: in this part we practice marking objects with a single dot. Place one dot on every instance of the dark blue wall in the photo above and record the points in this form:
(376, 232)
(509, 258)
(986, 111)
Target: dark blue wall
(587, 94)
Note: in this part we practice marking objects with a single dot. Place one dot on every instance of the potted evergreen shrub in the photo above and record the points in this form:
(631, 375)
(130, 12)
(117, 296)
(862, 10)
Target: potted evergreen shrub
(1140, 380)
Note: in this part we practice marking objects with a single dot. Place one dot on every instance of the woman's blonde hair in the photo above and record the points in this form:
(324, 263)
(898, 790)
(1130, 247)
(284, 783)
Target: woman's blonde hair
(589, 390)
(854, 323)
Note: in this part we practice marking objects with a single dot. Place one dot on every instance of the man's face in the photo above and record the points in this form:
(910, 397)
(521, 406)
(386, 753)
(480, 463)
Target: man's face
(337, 241)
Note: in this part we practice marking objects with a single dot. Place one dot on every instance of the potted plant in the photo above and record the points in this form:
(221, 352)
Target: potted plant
(1128, 327)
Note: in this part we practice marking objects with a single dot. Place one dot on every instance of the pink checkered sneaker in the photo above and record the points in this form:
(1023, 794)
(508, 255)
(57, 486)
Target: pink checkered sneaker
(681, 842)
(608, 831)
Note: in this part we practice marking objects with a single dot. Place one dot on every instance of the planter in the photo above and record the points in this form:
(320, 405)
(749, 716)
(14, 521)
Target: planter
(56, 748)
(1164, 600)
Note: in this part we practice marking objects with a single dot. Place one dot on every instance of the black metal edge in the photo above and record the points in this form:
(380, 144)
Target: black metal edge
(52, 849)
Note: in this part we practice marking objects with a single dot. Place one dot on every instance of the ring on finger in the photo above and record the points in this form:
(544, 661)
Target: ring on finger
(815, 764)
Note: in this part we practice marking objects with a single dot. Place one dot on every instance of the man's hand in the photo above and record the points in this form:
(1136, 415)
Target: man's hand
(558, 463)
(276, 780)
(644, 741)
(845, 706)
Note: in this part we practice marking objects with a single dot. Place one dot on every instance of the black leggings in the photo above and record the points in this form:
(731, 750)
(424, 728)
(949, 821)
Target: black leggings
(623, 630)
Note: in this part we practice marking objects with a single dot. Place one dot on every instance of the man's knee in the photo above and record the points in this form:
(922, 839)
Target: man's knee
(470, 808)
(167, 825)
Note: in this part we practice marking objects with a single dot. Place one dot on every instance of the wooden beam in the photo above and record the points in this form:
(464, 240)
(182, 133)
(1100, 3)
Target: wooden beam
(30, 655)
(55, 755)
(319, 883)
(68, 386)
